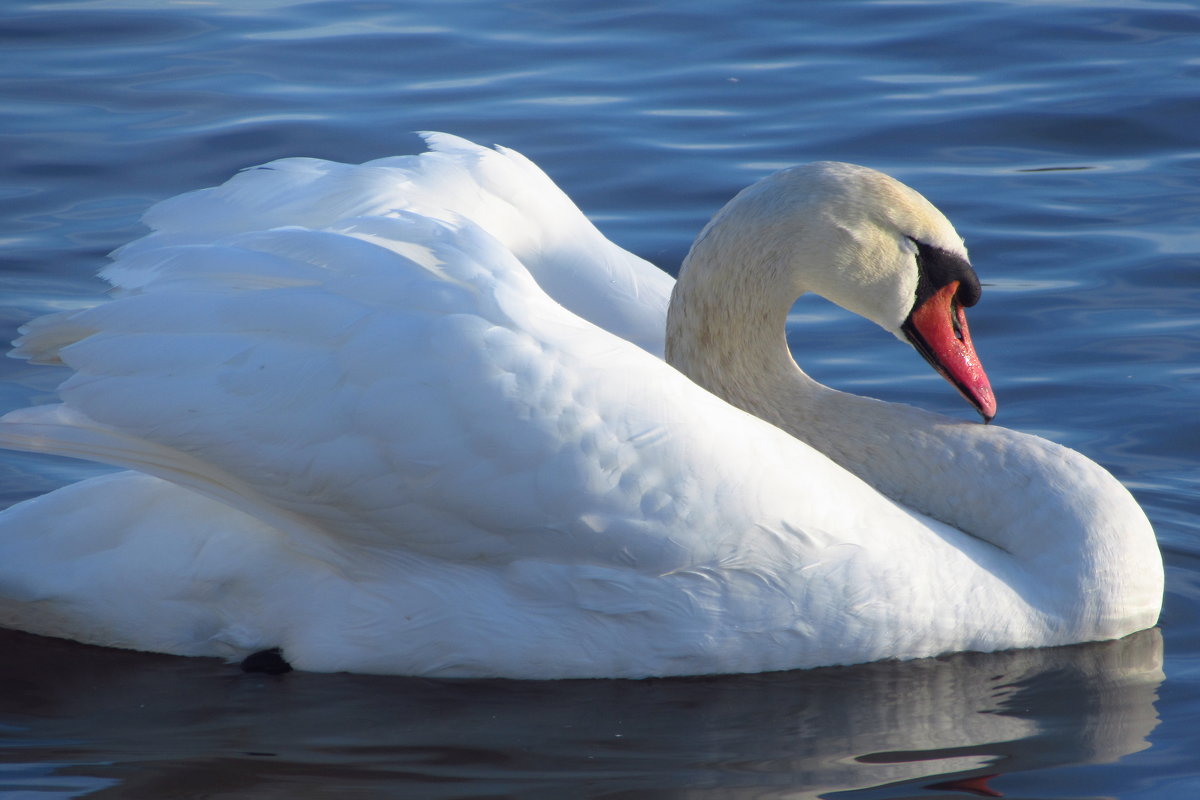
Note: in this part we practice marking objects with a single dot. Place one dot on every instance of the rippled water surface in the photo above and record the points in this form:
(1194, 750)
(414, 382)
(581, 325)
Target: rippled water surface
(1061, 138)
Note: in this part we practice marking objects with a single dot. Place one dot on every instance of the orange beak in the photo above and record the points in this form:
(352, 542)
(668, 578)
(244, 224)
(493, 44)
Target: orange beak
(938, 330)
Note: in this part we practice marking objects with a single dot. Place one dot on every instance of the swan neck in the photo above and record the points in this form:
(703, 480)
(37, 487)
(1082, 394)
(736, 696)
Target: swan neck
(726, 327)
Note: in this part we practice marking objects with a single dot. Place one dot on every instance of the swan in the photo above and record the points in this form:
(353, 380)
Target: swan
(413, 417)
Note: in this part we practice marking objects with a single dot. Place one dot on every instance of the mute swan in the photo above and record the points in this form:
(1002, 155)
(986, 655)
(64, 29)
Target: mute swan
(412, 417)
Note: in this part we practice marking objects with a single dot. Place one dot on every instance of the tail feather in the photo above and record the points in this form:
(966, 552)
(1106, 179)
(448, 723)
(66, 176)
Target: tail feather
(61, 430)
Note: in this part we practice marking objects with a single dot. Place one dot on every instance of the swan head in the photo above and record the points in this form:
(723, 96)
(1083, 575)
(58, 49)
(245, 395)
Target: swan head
(860, 239)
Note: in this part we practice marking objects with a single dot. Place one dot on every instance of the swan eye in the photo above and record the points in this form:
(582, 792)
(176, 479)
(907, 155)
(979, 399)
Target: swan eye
(937, 268)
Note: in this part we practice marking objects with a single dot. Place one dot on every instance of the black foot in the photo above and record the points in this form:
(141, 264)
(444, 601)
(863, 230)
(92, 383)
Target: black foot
(269, 661)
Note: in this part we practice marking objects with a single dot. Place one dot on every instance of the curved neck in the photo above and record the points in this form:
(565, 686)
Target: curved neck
(727, 331)
(726, 326)
(732, 343)
(1054, 516)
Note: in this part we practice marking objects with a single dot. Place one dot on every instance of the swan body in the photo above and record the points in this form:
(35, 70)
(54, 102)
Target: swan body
(413, 417)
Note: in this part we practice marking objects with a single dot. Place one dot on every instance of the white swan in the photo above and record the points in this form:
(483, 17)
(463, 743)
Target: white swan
(364, 433)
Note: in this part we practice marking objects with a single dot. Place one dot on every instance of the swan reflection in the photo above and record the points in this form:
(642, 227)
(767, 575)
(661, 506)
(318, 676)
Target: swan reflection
(198, 725)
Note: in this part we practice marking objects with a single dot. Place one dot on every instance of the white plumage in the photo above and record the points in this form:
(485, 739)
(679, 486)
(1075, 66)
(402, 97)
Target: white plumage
(411, 417)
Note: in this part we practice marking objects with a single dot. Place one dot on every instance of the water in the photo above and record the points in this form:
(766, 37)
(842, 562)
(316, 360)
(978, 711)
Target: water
(1059, 137)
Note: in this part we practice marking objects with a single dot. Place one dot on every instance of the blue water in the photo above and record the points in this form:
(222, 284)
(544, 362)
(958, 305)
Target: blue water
(1060, 137)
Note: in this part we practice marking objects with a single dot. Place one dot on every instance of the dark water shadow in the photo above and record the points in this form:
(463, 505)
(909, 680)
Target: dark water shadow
(120, 724)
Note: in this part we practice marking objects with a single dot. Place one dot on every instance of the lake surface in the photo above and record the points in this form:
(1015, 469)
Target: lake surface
(1060, 137)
